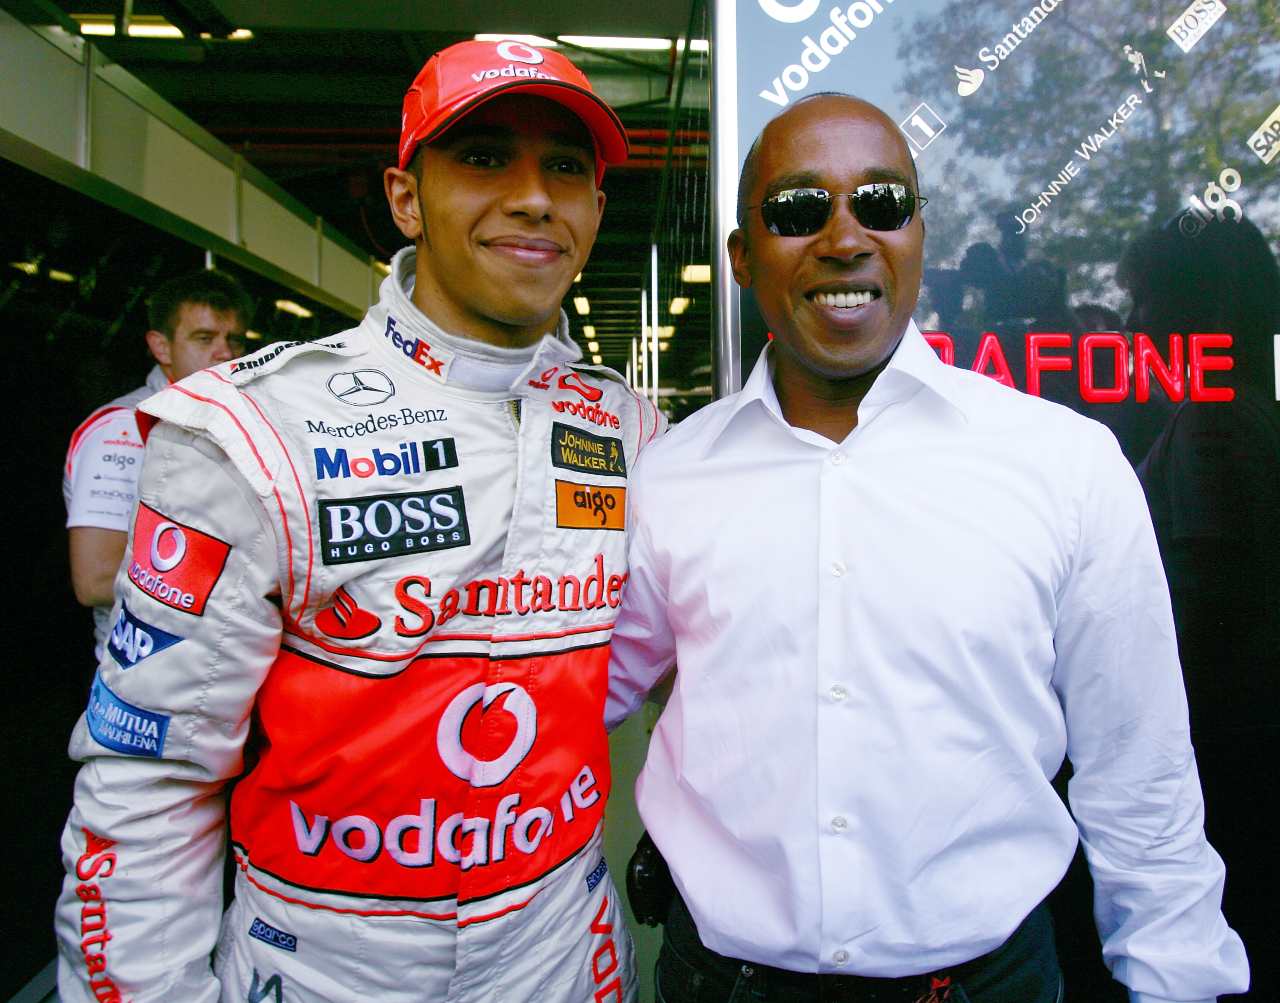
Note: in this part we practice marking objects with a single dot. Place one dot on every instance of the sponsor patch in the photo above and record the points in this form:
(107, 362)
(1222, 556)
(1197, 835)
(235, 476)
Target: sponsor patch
(588, 453)
(174, 563)
(407, 458)
(596, 876)
(1266, 141)
(590, 506)
(268, 934)
(378, 526)
(132, 639)
(1193, 22)
(121, 726)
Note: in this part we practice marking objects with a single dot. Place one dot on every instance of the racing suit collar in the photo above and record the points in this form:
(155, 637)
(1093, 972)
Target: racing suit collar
(414, 344)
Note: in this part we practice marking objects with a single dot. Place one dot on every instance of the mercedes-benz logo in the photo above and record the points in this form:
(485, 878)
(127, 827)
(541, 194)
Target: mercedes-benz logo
(362, 388)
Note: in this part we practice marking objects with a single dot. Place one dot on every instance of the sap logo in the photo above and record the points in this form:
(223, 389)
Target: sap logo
(366, 529)
(132, 639)
(1266, 141)
(411, 458)
(1191, 25)
(1215, 204)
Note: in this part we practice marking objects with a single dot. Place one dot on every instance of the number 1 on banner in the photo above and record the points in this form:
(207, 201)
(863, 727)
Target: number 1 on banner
(921, 127)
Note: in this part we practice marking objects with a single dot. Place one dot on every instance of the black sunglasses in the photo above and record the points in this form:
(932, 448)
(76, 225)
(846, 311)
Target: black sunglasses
(802, 212)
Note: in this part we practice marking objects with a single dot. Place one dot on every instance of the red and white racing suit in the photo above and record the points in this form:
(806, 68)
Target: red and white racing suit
(384, 602)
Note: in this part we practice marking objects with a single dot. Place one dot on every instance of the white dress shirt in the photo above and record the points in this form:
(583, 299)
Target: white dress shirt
(886, 646)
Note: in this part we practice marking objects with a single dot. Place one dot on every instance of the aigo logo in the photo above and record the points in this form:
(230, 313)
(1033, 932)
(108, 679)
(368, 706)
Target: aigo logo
(463, 764)
(1215, 203)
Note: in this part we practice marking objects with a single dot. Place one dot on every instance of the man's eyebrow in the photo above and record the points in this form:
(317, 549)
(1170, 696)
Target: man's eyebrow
(465, 132)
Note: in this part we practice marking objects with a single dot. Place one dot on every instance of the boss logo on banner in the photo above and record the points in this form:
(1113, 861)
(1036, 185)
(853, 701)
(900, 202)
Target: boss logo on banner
(1193, 22)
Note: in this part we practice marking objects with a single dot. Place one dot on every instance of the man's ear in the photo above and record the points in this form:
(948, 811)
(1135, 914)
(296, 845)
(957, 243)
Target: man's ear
(161, 348)
(402, 196)
(739, 252)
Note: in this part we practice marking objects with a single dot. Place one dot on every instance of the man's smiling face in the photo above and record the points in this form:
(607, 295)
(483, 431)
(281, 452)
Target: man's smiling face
(839, 300)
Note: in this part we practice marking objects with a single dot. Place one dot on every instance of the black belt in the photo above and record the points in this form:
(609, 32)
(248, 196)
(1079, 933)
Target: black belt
(1024, 969)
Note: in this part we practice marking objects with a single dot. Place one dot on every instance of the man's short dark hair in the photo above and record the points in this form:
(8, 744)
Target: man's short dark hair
(750, 166)
(217, 290)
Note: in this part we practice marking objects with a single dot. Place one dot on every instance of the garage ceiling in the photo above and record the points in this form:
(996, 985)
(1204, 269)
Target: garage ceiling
(313, 97)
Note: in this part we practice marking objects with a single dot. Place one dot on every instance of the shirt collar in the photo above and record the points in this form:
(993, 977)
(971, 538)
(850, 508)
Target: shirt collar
(914, 364)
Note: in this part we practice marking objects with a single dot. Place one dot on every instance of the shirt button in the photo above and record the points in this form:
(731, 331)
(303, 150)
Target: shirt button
(838, 692)
(837, 568)
(840, 823)
(837, 457)
(840, 957)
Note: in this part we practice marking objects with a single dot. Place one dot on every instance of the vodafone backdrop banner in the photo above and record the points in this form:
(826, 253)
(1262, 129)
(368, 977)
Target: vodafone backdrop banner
(1102, 230)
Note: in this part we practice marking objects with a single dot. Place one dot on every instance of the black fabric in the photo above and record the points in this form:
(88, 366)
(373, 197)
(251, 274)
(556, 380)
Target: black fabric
(1022, 970)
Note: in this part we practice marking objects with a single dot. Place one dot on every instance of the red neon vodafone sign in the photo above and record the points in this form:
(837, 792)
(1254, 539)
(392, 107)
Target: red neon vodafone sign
(1108, 369)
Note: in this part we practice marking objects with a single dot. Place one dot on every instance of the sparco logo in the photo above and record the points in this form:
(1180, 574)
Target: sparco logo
(486, 772)
(816, 56)
(366, 529)
(362, 388)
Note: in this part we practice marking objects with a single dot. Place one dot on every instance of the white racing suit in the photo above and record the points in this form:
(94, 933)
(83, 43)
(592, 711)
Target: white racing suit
(384, 603)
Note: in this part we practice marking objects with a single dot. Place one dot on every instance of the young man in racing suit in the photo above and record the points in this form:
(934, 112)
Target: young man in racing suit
(377, 576)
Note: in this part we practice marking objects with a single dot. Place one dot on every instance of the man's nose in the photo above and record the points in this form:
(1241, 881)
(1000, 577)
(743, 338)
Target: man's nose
(222, 351)
(527, 193)
(843, 237)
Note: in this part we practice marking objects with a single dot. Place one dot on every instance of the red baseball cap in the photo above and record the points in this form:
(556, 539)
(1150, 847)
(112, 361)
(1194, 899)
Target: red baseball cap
(457, 80)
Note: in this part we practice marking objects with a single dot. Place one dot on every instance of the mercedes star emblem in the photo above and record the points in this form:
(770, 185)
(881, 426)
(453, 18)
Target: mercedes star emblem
(362, 388)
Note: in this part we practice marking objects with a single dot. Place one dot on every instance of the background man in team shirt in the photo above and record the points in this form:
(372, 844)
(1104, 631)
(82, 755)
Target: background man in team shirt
(196, 320)
(937, 588)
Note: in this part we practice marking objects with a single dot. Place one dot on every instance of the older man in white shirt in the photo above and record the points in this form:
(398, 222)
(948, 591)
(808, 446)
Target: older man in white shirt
(899, 594)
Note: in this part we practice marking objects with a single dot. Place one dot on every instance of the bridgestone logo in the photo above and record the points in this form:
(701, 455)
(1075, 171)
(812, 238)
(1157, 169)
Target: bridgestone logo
(378, 526)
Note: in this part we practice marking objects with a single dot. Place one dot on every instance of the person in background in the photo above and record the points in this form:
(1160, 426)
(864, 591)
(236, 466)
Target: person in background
(899, 594)
(196, 321)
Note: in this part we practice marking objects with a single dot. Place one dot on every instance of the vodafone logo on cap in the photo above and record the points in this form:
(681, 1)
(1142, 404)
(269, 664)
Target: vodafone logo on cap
(518, 52)
(486, 772)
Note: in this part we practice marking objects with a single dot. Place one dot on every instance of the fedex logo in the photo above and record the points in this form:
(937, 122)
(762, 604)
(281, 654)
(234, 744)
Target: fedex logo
(407, 458)
(416, 349)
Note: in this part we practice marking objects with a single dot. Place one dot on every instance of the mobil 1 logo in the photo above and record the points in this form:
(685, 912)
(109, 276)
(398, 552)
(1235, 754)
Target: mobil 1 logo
(378, 526)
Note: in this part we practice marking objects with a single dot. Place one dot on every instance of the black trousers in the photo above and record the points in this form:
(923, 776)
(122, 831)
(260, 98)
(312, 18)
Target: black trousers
(1022, 970)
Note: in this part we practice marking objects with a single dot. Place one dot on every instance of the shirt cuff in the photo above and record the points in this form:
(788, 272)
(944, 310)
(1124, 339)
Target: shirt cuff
(1137, 997)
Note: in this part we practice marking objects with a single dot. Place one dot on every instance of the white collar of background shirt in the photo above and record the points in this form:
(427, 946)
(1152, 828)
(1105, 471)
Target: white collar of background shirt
(914, 366)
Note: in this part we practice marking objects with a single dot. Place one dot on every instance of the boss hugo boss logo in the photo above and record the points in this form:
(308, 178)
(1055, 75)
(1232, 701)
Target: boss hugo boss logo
(407, 458)
(588, 453)
(1191, 25)
(590, 506)
(368, 529)
(361, 388)
(173, 563)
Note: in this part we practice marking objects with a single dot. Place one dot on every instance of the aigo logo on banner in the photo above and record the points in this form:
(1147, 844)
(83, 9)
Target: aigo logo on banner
(815, 56)
(174, 563)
